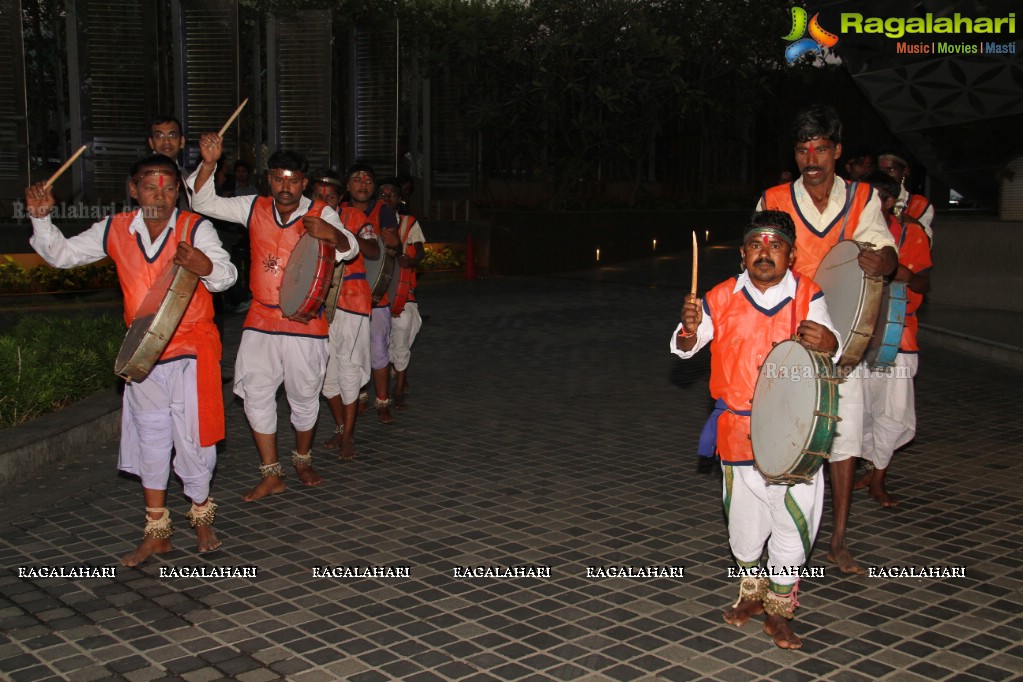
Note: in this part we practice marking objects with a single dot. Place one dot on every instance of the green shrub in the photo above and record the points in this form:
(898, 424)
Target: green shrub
(15, 279)
(48, 362)
(441, 256)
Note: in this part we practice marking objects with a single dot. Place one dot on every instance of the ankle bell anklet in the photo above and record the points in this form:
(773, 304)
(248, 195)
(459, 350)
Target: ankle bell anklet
(157, 529)
(268, 470)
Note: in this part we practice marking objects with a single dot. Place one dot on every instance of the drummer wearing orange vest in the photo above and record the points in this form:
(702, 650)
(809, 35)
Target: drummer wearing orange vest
(405, 318)
(179, 405)
(826, 210)
(348, 365)
(275, 350)
(742, 318)
(361, 179)
(890, 418)
(914, 206)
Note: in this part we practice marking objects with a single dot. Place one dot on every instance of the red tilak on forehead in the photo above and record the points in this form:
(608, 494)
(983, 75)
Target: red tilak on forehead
(161, 179)
(812, 148)
(766, 239)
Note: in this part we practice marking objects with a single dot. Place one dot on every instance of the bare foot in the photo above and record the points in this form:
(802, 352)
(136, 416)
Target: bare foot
(845, 561)
(334, 442)
(146, 549)
(738, 615)
(207, 539)
(882, 496)
(271, 485)
(864, 481)
(399, 401)
(779, 629)
(384, 415)
(347, 449)
(308, 475)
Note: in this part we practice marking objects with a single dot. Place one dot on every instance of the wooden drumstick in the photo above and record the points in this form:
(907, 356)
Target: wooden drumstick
(67, 164)
(695, 253)
(233, 117)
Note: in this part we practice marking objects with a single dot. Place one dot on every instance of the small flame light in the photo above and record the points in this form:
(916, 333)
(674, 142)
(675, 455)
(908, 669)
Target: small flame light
(598, 254)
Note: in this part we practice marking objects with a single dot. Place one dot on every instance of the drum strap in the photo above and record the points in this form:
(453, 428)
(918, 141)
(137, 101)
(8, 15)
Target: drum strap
(850, 192)
(709, 435)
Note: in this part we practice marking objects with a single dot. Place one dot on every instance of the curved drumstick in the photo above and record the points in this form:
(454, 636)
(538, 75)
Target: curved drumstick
(233, 117)
(67, 164)
(695, 253)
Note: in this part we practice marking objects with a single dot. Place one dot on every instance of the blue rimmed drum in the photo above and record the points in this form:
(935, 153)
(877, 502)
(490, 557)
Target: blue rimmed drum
(884, 344)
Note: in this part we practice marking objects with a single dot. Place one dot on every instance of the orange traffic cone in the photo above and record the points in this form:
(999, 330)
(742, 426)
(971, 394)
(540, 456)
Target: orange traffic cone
(470, 259)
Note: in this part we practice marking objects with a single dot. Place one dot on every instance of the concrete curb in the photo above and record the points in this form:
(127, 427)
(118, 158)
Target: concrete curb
(970, 345)
(56, 436)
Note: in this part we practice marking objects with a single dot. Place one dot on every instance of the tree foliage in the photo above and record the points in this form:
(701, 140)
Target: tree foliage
(574, 91)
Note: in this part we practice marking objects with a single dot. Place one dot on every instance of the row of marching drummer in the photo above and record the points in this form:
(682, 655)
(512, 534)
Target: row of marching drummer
(333, 310)
(813, 356)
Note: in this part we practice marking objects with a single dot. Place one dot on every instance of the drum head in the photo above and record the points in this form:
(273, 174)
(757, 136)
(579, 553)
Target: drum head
(375, 266)
(841, 279)
(784, 402)
(299, 274)
(155, 322)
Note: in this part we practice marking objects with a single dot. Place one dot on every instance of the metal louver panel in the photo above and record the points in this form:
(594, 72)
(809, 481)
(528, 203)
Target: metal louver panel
(451, 138)
(375, 97)
(299, 52)
(209, 93)
(13, 142)
(112, 87)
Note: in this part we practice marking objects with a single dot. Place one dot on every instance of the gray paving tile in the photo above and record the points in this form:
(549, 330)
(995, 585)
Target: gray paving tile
(548, 425)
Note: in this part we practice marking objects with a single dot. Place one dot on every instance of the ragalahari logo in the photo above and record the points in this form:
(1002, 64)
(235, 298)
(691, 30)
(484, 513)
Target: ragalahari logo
(819, 38)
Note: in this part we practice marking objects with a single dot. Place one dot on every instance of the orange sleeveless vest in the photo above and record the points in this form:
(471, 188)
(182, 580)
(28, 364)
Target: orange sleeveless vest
(811, 245)
(916, 207)
(355, 296)
(743, 336)
(373, 218)
(196, 335)
(271, 244)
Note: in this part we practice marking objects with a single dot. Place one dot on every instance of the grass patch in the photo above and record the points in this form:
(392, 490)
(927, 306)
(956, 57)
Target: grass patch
(48, 362)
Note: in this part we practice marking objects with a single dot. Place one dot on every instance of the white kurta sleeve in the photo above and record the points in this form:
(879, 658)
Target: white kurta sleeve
(331, 216)
(224, 272)
(206, 202)
(62, 252)
(704, 335)
(818, 312)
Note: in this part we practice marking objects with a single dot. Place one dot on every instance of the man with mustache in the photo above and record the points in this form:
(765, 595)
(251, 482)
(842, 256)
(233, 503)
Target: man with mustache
(274, 350)
(742, 318)
(179, 405)
(826, 210)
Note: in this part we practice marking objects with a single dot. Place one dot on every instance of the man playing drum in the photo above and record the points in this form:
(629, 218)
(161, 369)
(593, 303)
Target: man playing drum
(825, 210)
(741, 318)
(348, 367)
(889, 421)
(405, 318)
(179, 405)
(361, 181)
(275, 350)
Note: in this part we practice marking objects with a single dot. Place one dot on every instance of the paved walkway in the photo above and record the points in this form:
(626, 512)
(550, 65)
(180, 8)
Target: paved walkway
(549, 426)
